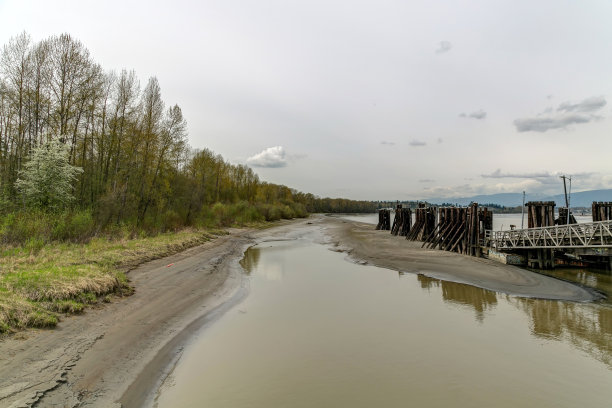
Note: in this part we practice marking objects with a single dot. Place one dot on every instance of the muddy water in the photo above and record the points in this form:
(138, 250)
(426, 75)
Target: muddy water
(319, 331)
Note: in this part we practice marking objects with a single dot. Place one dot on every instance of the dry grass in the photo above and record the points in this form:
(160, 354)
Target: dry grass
(37, 283)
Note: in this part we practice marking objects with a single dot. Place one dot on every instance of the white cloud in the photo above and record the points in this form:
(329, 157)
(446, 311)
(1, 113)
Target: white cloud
(270, 157)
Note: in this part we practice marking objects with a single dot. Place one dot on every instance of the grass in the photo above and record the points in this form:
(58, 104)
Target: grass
(39, 283)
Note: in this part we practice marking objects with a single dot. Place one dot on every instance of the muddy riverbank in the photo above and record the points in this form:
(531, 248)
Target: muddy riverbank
(119, 353)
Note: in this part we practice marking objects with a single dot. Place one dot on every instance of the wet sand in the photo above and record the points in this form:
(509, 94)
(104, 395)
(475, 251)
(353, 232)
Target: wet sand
(117, 355)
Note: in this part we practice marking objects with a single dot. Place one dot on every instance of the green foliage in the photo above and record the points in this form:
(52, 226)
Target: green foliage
(116, 152)
(35, 228)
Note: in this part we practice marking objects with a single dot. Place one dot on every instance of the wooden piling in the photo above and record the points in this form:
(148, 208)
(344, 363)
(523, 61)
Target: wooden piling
(540, 214)
(460, 229)
(601, 210)
(384, 220)
(402, 221)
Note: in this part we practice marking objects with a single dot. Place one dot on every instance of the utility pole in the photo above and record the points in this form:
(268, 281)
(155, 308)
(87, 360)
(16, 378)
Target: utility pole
(523, 213)
(567, 197)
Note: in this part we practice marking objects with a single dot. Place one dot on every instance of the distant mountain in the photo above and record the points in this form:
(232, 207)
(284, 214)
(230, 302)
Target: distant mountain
(583, 198)
(579, 199)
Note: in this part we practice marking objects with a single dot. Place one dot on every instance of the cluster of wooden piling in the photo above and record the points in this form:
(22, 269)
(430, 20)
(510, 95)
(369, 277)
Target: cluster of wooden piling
(562, 220)
(460, 229)
(540, 214)
(602, 211)
(424, 223)
(402, 221)
(384, 220)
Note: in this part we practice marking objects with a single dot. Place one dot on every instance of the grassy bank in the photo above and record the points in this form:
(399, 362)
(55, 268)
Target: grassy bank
(54, 263)
(38, 285)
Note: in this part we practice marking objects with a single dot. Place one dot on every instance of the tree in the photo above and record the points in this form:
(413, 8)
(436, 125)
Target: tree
(46, 179)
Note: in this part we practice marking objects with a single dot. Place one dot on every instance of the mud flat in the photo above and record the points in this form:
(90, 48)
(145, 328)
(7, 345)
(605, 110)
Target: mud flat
(380, 248)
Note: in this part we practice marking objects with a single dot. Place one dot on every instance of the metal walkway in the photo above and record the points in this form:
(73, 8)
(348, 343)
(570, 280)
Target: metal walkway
(586, 235)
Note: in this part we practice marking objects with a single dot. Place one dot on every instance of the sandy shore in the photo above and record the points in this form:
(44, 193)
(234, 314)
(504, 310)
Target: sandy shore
(117, 355)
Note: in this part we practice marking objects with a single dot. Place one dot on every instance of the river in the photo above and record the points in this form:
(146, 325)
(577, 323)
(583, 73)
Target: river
(317, 330)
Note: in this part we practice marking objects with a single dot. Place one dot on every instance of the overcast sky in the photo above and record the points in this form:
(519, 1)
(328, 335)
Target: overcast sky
(369, 99)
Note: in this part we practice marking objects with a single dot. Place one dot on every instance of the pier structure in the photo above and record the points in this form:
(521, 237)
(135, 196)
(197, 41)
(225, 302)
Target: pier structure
(546, 241)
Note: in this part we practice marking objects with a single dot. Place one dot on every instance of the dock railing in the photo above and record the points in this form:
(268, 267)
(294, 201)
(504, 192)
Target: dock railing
(582, 235)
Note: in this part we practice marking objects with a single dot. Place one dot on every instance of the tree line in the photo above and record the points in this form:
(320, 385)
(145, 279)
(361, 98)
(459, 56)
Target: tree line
(132, 161)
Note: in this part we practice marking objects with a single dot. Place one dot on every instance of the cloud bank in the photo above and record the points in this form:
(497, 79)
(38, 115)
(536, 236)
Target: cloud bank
(272, 157)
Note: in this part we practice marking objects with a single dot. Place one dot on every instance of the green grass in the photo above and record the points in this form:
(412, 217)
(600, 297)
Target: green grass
(39, 283)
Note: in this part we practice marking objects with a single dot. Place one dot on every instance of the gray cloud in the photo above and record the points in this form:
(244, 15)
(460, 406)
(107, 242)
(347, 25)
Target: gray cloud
(567, 114)
(427, 181)
(479, 114)
(543, 178)
(588, 105)
(444, 46)
(498, 174)
(440, 140)
(542, 124)
(271, 157)
(417, 143)
(384, 142)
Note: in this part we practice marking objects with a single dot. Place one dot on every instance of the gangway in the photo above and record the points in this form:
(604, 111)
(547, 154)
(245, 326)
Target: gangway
(590, 235)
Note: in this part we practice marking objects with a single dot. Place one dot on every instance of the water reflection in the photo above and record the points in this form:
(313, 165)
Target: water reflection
(587, 327)
(593, 278)
(251, 259)
(479, 299)
(273, 266)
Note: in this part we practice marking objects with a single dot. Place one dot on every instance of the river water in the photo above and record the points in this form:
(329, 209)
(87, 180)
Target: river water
(319, 331)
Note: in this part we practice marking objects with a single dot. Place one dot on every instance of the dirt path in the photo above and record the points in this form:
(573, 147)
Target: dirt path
(91, 360)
